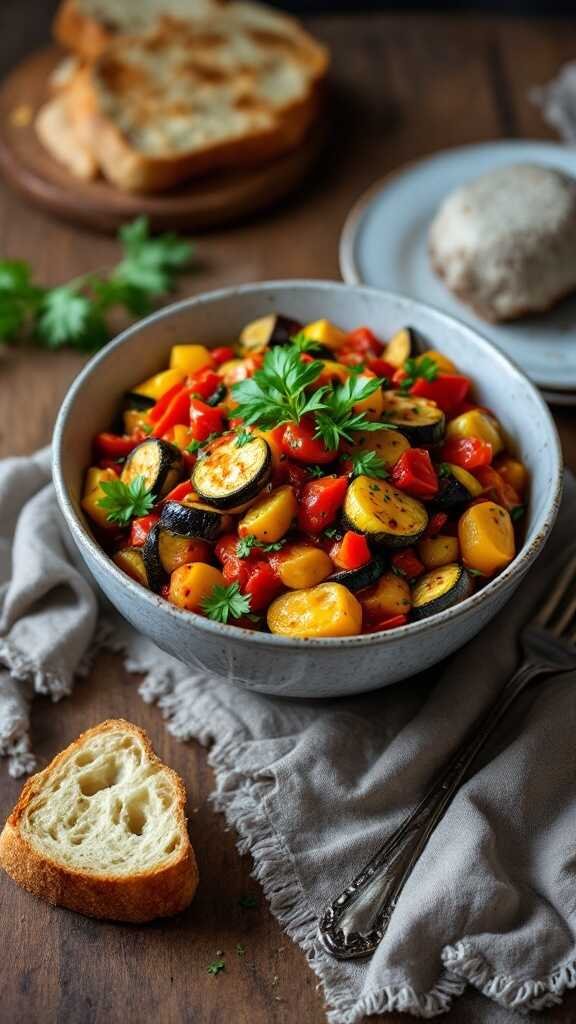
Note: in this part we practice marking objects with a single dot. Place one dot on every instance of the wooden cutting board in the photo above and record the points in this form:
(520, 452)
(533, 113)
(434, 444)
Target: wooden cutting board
(203, 203)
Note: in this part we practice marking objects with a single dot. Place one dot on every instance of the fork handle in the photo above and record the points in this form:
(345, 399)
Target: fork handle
(356, 922)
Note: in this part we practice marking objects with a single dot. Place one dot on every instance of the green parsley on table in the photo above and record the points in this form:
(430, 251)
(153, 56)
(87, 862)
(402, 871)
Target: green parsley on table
(75, 313)
(215, 967)
(426, 368)
(368, 464)
(124, 502)
(223, 602)
(277, 392)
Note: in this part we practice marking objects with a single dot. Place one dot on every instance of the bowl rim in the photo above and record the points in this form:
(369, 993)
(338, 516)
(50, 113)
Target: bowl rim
(84, 539)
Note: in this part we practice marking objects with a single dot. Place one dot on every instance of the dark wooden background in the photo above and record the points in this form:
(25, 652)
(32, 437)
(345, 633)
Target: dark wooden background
(407, 86)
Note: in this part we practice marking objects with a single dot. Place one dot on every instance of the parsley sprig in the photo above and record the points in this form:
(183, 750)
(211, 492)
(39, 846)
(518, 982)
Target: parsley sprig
(245, 545)
(337, 420)
(215, 967)
(223, 602)
(277, 392)
(426, 368)
(75, 314)
(124, 502)
(368, 464)
(303, 343)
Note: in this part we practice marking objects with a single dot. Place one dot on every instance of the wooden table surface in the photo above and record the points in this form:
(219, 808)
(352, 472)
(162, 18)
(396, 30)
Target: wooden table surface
(407, 86)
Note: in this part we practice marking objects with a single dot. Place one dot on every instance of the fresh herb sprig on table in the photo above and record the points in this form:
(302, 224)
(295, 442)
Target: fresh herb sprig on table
(277, 394)
(123, 501)
(75, 314)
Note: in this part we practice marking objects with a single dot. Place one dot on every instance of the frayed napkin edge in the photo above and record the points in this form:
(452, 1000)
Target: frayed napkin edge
(521, 996)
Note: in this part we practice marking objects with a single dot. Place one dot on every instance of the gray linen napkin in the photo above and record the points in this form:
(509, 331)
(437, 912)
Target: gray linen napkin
(313, 788)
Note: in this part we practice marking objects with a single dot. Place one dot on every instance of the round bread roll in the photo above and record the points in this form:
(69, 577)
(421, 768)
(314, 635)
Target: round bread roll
(506, 243)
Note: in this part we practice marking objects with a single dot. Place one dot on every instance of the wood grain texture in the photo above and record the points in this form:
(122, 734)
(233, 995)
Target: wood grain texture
(407, 86)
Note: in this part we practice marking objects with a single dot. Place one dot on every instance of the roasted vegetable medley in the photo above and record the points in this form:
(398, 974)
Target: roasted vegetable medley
(308, 481)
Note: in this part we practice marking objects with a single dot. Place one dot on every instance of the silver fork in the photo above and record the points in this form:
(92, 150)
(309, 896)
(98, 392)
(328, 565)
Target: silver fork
(356, 922)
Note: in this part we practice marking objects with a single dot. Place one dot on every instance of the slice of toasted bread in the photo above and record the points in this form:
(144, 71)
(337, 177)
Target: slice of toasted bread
(237, 89)
(57, 134)
(87, 26)
(102, 830)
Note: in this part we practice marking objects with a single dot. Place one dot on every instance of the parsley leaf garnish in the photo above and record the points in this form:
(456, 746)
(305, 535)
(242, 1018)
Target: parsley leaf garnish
(195, 446)
(516, 513)
(245, 544)
(368, 464)
(304, 343)
(443, 469)
(332, 532)
(124, 502)
(426, 367)
(336, 420)
(474, 572)
(216, 966)
(75, 313)
(277, 392)
(224, 602)
(316, 471)
(243, 437)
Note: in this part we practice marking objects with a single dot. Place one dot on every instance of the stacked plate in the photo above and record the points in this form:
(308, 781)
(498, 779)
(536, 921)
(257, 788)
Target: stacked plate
(384, 244)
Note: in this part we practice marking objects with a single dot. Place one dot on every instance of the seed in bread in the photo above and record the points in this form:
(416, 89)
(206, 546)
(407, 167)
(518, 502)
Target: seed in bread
(505, 243)
(102, 830)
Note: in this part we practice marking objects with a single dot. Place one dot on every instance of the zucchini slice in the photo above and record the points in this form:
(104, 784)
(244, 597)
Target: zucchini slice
(151, 555)
(457, 487)
(159, 462)
(228, 476)
(419, 419)
(440, 589)
(357, 579)
(268, 331)
(402, 345)
(384, 514)
(191, 519)
(131, 561)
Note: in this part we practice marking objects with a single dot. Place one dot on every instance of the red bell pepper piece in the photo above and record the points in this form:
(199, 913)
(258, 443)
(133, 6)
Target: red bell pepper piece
(179, 492)
(204, 420)
(364, 342)
(435, 524)
(110, 464)
(467, 452)
(222, 354)
(177, 411)
(293, 474)
(114, 446)
(448, 390)
(299, 443)
(262, 585)
(391, 623)
(158, 410)
(203, 383)
(320, 502)
(225, 547)
(381, 368)
(140, 529)
(415, 474)
(353, 551)
(504, 494)
(407, 563)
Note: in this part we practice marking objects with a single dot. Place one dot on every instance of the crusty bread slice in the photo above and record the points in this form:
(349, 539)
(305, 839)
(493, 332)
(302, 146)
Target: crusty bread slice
(87, 26)
(102, 830)
(57, 135)
(237, 89)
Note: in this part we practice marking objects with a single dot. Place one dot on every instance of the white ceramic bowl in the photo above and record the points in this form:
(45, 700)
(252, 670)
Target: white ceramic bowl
(259, 661)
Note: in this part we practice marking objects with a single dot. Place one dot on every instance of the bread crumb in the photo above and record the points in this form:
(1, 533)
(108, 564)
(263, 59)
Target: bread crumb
(22, 115)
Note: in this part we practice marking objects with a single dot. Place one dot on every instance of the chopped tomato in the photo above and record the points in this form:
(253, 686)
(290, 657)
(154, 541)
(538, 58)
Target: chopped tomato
(391, 623)
(415, 474)
(140, 529)
(204, 383)
(177, 412)
(225, 547)
(407, 563)
(353, 551)
(364, 342)
(262, 585)
(179, 492)
(204, 420)
(299, 443)
(114, 446)
(222, 354)
(467, 452)
(157, 411)
(502, 492)
(110, 464)
(448, 390)
(293, 474)
(435, 524)
(320, 502)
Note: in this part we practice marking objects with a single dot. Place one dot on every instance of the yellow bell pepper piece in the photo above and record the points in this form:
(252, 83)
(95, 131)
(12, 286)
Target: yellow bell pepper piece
(301, 566)
(486, 536)
(389, 596)
(326, 610)
(271, 516)
(472, 485)
(160, 383)
(189, 358)
(136, 419)
(437, 551)
(190, 584)
(477, 423)
(326, 333)
(93, 494)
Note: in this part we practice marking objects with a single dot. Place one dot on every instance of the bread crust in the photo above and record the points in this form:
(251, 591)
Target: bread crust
(139, 897)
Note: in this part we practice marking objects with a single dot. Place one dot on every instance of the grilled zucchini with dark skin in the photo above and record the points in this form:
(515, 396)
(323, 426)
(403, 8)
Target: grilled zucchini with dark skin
(309, 479)
(229, 474)
(158, 462)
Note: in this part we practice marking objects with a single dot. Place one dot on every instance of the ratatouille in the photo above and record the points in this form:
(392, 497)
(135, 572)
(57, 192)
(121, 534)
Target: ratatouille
(307, 480)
